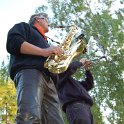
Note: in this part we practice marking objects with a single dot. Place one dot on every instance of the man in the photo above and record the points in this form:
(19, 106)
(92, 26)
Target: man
(73, 94)
(37, 98)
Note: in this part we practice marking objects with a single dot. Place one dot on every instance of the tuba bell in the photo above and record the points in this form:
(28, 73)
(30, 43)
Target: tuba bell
(72, 46)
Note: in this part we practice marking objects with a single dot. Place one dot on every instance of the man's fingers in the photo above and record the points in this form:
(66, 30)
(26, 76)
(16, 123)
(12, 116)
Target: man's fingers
(57, 50)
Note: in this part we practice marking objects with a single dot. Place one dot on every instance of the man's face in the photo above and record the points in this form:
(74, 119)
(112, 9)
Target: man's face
(43, 22)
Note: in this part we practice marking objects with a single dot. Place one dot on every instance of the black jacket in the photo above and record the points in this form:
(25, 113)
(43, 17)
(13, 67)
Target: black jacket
(70, 90)
(16, 36)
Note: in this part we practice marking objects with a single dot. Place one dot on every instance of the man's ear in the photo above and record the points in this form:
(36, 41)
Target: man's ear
(36, 19)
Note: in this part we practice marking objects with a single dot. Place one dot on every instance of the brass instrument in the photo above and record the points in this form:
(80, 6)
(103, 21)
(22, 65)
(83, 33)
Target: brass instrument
(71, 46)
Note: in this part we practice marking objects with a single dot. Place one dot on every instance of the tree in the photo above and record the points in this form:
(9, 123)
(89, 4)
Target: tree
(106, 29)
(7, 97)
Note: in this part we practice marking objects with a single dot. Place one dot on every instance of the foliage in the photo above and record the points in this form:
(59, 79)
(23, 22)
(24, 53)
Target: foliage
(8, 103)
(7, 97)
(3, 73)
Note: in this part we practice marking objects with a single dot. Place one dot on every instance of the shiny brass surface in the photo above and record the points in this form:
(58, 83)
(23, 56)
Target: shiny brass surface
(72, 47)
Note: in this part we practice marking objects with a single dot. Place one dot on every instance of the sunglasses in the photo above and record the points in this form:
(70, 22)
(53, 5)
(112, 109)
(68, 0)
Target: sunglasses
(42, 18)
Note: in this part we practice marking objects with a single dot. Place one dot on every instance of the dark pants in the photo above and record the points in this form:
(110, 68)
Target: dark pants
(79, 113)
(37, 99)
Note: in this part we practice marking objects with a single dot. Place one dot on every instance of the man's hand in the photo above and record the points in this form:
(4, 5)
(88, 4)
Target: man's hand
(52, 50)
(86, 63)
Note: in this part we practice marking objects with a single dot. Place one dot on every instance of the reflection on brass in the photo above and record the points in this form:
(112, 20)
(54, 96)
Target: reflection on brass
(71, 46)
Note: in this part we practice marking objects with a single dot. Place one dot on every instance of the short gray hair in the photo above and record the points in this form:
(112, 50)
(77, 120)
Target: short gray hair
(34, 16)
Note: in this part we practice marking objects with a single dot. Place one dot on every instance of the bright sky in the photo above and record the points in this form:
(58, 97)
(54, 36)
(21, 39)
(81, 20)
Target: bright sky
(12, 12)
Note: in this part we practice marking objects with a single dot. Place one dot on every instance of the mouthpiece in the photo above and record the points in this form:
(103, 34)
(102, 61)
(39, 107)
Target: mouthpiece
(60, 26)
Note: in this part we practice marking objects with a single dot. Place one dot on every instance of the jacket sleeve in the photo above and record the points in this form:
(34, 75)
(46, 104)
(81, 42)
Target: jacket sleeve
(59, 79)
(71, 70)
(88, 83)
(16, 36)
